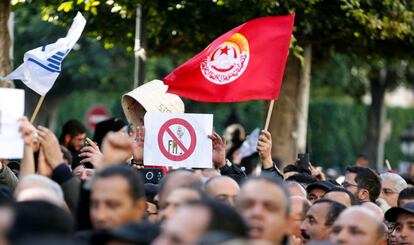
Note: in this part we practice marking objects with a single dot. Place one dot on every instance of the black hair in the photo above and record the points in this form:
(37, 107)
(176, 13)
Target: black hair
(272, 179)
(134, 180)
(353, 199)
(223, 218)
(72, 127)
(335, 209)
(406, 194)
(304, 179)
(296, 168)
(66, 154)
(367, 179)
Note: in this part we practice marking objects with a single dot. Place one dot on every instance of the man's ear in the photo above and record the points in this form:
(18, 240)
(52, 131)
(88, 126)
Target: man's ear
(140, 207)
(67, 139)
(363, 194)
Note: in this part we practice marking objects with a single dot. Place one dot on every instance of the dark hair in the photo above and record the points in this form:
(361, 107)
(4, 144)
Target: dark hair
(367, 179)
(134, 180)
(72, 127)
(304, 179)
(406, 194)
(334, 211)
(66, 154)
(272, 179)
(296, 168)
(353, 199)
(223, 218)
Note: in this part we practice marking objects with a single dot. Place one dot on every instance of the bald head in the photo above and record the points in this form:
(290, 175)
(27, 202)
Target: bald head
(295, 189)
(223, 189)
(375, 209)
(368, 230)
(176, 179)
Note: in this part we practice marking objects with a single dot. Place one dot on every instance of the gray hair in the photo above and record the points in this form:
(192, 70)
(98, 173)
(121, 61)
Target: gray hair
(44, 182)
(400, 183)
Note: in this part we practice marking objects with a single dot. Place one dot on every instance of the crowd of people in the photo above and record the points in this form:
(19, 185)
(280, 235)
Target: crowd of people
(77, 190)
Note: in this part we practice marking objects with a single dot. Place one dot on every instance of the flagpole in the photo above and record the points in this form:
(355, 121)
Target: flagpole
(269, 114)
(39, 104)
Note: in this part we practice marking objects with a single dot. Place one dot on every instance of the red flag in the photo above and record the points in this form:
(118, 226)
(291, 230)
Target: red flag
(246, 63)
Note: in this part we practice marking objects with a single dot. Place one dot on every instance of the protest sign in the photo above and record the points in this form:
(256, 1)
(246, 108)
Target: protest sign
(178, 140)
(11, 109)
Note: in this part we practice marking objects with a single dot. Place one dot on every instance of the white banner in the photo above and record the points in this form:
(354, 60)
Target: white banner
(178, 140)
(11, 109)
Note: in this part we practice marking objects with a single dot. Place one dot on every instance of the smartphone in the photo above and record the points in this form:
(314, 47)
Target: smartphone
(304, 160)
(153, 175)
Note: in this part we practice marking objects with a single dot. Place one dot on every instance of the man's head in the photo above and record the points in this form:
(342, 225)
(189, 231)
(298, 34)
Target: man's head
(319, 219)
(341, 195)
(299, 208)
(362, 160)
(223, 189)
(303, 179)
(174, 180)
(83, 172)
(317, 190)
(193, 220)
(403, 217)
(363, 182)
(296, 189)
(40, 188)
(264, 204)
(73, 135)
(357, 225)
(406, 196)
(391, 185)
(117, 197)
(177, 198)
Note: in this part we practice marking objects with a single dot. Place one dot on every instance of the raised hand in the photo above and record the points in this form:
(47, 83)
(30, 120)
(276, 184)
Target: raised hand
(219, 150)
(264, 148)
(116, 148)
(91, 154)
(28, 133)
(50, 146)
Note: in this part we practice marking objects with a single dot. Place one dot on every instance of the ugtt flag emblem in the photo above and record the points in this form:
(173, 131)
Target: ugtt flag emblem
(246, 63)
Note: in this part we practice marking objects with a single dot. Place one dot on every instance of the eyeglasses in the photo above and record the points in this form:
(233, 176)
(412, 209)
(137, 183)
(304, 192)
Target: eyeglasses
(347, 184)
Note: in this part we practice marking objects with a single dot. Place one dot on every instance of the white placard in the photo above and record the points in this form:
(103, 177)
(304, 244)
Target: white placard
(178, 140)
(11, 109)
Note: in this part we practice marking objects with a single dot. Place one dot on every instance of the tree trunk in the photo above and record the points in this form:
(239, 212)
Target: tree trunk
(5, 43)
(289, 117)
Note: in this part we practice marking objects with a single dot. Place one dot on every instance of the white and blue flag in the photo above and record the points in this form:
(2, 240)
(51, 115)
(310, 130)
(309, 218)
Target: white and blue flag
(41, 66)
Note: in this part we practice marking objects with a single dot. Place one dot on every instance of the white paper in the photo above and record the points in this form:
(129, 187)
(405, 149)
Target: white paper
(249, 145)
(11, 109)
(169, 140)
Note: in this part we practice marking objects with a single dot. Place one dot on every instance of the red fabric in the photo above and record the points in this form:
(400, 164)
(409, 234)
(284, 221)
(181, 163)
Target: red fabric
(268, 41)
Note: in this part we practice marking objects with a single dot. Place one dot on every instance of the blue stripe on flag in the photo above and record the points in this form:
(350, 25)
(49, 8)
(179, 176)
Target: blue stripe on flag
(56, 57)
(53, 66)
(54, 61)
(43, 48)
(60, 53)
(41, 65)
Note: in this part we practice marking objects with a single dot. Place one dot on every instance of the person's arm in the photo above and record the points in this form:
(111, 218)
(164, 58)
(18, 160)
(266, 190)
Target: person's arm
(7, 177)
(264, 148)
(28, 133)
(221, 163)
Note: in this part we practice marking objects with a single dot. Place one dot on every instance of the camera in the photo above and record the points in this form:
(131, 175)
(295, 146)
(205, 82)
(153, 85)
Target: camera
(152, 175)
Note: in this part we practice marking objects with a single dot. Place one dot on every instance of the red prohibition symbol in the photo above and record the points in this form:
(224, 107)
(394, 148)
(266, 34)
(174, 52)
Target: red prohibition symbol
(165, 129)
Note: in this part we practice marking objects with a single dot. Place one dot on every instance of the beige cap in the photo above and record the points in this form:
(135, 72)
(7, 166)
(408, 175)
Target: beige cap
(153, 97)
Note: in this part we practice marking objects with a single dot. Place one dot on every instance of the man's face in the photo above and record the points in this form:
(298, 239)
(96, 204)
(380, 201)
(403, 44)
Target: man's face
(350, 184)
(186, 226)
(223, 190)
(263, 206)
(177, 198)
(340, 197)
(389, 193)
(296, 216)
(83, 173)
(314, 224)
(112, 204)
(75, 143)
(354, 228)
(316, 194)
(404, 229)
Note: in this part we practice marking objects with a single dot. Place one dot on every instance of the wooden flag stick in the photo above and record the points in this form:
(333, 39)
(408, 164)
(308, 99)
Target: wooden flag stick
(39, 104)
(388, 164)
(269, 114)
